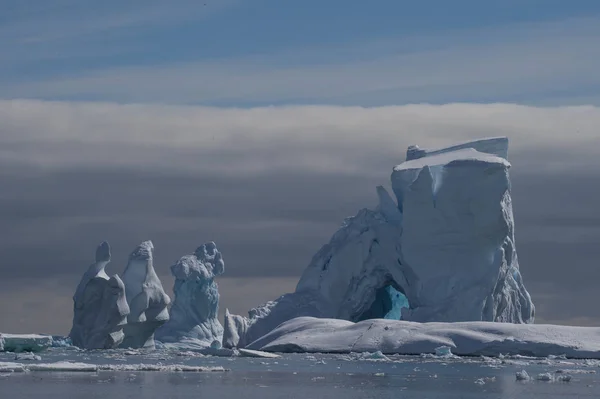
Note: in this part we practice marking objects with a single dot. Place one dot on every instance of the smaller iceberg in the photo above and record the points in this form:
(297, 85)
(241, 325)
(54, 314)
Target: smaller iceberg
(24, 342)
(147, 300)
(99, 306)
(193, 317)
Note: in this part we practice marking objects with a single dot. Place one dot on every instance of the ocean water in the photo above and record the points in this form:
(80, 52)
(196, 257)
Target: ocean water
(301, 376)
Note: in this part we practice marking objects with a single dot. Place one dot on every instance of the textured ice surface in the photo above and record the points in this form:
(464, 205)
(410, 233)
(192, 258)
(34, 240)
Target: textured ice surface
(25, 342)
(447, 245)
(458, 237)
(307, 334)
(99, 306)
(193, 316)
(147, 300)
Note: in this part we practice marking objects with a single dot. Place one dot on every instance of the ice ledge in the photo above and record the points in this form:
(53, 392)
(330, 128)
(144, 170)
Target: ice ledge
(452, 158)
(494, 145)
(308, 334)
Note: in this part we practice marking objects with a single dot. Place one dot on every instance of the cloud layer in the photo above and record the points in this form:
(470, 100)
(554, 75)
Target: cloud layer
(270, 185)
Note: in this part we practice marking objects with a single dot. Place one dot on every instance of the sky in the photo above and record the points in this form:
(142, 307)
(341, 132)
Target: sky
(262, 124)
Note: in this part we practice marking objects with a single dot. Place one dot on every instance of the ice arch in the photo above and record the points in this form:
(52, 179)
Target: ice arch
(388, 304)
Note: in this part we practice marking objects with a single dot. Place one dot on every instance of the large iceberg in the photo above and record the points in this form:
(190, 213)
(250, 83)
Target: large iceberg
(147, 300)
(99, 306)
(193, 315)
(443, 252)
(307, 334)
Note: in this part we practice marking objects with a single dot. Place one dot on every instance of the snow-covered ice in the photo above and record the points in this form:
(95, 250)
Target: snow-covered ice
(147, 300)
(99, 306)
(307, 334)
(86, 367)
(193, 315)
(444, 251)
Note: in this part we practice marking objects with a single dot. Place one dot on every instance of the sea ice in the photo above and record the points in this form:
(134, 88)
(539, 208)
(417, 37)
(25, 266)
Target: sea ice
(147, 300)
(313, 335)
(193, 315)
(99, 306)
(86, 367)
(445, 251)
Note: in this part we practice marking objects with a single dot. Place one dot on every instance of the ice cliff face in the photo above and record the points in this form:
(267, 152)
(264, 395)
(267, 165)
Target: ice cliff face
(147, 300)
(445, 251)
(458, 235)
(193, 316)
(99, 306)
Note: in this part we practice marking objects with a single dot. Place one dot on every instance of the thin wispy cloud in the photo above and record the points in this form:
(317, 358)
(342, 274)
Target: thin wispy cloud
(526, 62)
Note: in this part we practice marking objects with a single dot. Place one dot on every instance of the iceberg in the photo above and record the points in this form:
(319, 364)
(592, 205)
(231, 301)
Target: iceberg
(99, 306)
(193, 315)
(458, 235)
(24, 342)
(146, 298)
(307, 334)
(443, 251)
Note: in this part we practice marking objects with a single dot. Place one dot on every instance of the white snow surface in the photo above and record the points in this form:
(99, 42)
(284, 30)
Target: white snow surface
(494, 145)
(146, 297)
(100, 308)
(447, 244)
(25, 342)
(313, 335)
(193, 317)
(86, 367)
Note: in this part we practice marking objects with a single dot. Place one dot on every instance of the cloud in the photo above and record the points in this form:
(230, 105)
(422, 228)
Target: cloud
(270, 185)
(345, 140)
(519, 62)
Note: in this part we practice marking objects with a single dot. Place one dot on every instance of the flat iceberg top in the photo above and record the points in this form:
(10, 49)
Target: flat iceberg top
(308, 334)
(445, 158)
(493, 145)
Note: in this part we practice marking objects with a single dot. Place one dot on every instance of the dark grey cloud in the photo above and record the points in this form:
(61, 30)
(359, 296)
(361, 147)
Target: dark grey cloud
(270, 188)
(269, 225)
(265, 225)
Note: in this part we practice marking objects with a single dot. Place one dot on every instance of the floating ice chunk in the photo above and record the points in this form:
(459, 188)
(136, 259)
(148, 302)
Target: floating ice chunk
(443, 351)
(27, 356)
(25, 342)
(522, 376)
(61, 342)
(480, 381)
(563, 378)
(260, 354)
(544, 377)
(374, 356)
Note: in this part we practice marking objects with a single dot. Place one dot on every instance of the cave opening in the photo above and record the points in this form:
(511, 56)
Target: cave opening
(388, 304)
